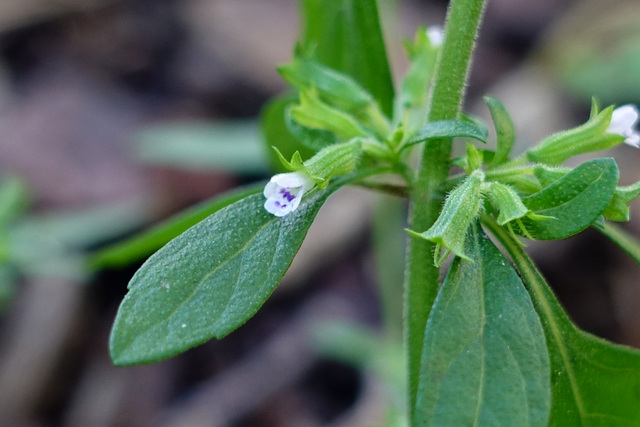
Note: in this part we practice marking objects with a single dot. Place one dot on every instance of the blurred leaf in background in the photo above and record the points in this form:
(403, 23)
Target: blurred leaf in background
(594, 48)
(221, 146)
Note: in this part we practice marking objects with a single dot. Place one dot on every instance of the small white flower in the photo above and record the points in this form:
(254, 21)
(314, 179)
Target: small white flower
(435, 33)
(284, 192)
(623, 122)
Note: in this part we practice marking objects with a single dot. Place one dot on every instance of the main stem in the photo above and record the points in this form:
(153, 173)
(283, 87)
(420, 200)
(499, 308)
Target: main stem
(451, 73)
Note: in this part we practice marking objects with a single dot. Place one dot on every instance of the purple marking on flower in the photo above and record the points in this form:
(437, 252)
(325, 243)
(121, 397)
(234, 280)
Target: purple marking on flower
(624, 121)
(287, 195)
(284, 192)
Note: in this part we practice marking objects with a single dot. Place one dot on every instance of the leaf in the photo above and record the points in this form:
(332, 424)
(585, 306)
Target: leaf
(505, 132)
(574, 201)
(595, 383)
(209, 280)
(484, 359)
(346, 35)
(230, 146)
(149, 241)
(448, 129)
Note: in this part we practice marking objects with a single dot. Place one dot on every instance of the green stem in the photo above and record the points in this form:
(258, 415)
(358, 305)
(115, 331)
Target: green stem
(629, 244)
(450, 79)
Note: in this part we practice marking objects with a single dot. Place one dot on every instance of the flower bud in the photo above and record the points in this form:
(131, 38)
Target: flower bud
(594, 135)
(460, 209)
(315, 114)
(507, 201)
(624, 121)
(618, 208)
(330, 162)
(422, 54)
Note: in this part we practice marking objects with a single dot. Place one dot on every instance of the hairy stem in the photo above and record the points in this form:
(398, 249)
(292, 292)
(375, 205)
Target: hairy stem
(422, 279)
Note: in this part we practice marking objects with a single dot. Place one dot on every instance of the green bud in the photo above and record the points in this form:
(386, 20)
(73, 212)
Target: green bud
(589, 137)
(330, 162)
(460, 209)
(508, 202)
(338, 90)
(505, 131)
(315, 114)
(474, 158)
(422, 54)
(618, 209)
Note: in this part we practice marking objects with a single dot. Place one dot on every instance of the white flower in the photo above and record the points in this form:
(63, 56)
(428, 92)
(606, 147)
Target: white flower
(284, 192)
(623, 122)
(435, 33)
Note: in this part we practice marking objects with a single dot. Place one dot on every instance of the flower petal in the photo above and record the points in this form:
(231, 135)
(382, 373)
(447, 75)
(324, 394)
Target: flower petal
(271, 189)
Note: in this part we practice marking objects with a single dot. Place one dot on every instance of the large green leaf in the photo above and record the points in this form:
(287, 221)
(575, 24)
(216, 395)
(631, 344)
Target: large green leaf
(575, 201)
(484, 358)
(595, 383)
(346, 35)
(209, 280)
(145, 243)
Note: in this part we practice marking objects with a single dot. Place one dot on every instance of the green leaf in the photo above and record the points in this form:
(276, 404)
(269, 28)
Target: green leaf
(149, 241)
(595, 383)
(448, 129)
(209, 280)
(346, 35)
(337, 89)
(505, 132)
(228, 146)
(277, 133)
(484, 359)
(574, 201)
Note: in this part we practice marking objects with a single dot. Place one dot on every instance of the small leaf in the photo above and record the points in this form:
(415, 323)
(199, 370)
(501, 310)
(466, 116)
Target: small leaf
(448, 129)
(505, 132)
(595, 383)
(209, 280)
(337, 89)
(485, 360)
(574, 201)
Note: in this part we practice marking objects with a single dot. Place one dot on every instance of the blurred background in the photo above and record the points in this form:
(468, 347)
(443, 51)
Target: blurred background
(116, 114)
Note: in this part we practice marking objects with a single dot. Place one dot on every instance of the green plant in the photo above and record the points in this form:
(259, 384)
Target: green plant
(488, 346)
